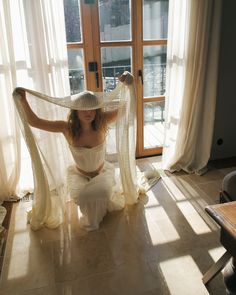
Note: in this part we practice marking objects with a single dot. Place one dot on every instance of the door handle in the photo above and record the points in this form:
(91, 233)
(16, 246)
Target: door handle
(93, 67)
(140, 74)
(97, 79)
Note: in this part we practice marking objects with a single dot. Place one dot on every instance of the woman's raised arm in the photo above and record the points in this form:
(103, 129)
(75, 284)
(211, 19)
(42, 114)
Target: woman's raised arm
(35, 121)
(127, 79)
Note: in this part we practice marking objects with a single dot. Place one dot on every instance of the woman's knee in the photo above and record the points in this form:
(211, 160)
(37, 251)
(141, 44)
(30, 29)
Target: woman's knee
(90, 195)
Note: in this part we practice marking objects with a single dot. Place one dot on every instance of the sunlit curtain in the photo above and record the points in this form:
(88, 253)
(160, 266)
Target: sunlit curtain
(32, 55)
(192, 64)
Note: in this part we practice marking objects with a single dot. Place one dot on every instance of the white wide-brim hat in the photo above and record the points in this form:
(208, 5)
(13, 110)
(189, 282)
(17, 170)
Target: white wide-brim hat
(88, 100)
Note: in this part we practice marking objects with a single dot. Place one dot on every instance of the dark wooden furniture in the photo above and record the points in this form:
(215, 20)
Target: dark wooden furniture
(225, 217)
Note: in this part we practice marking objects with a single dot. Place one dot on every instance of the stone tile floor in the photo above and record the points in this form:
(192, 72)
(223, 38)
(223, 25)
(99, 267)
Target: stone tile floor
(162, 245)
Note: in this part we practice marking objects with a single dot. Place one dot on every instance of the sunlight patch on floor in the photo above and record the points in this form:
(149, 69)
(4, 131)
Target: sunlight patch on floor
(216, 253)
(173, 190)
(193, 218)
(160, 227)
(157, 165)
(183, 276)
(19, 262)
(152, 200)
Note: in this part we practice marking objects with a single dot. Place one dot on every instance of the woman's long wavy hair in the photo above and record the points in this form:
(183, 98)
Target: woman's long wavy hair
(98, 124)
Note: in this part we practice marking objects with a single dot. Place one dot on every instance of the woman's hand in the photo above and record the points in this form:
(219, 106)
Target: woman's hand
(21, 92)
(126, 78)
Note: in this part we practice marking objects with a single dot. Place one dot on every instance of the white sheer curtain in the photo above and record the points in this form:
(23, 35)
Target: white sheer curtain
(33, 55)
(192, 64)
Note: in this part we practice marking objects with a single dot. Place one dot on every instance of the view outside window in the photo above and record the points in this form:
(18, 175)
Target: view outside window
(115, 20)
(72, 21)
(75, 55)
(155, 19)
(153, 123)
(115, 26)
(115, 61)
(154, 70)
(76, 69)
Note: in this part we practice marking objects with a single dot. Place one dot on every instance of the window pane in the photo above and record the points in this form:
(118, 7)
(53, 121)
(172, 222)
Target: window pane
(72, 20)
(114, 18)
(76, 70)
(115, 60)
(153, 124)
(154, 69)
(155, 19)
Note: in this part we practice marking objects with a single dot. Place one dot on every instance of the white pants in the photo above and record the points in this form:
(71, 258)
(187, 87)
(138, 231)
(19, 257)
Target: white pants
(95, 196)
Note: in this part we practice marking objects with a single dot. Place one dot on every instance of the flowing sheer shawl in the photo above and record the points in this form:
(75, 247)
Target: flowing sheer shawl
(50, 186)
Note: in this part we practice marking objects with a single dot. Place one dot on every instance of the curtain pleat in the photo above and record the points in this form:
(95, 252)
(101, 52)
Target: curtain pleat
(192, 65)
(33, 54)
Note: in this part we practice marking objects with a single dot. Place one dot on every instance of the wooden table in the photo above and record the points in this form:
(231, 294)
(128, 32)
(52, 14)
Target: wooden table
(225, 216)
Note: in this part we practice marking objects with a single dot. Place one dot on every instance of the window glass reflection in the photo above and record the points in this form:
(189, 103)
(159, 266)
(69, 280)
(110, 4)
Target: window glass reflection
(155, 19)
(72, 21)
(115, 60)
(76, 70)
(114, 20)
(154, 70)
(154, 124)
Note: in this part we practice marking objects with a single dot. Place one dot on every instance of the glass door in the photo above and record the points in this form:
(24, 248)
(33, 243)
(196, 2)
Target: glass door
(152, 22)
(107, 37)
(75, 45)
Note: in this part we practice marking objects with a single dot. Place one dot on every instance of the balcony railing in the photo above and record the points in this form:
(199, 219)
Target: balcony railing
(154, 78)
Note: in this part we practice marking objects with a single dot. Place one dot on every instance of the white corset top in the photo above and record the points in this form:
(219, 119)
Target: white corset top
(89, 159)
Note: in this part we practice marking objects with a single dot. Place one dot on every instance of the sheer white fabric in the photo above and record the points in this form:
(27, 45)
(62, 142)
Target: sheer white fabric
(192, 63)
(33, 55)
(50, 185)
(126, 143)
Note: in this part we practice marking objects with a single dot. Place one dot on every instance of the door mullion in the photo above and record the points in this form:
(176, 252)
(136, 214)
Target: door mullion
(137, 66)
(86, 15)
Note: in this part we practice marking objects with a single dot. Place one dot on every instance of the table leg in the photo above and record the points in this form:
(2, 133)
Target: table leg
(216, 268)
(229, 275)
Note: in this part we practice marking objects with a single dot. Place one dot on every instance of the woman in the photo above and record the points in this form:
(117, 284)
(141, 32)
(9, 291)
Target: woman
(91, 181)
